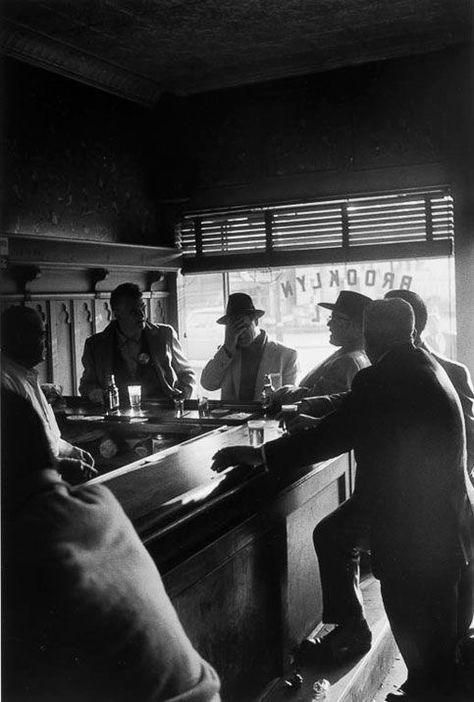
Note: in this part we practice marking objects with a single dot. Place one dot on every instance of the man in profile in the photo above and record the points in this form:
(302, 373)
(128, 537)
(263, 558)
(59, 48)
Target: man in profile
(247, 355)
(136, 352)
(23, 348)
(403, 420)
(336, 373)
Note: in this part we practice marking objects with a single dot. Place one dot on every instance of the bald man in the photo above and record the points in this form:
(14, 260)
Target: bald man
(23, 335)
(403, 420)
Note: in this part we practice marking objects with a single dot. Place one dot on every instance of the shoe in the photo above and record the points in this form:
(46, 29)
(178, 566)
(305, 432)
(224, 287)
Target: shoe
(343, 643)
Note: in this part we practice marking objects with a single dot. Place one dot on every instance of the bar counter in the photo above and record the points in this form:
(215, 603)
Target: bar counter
(235, 549)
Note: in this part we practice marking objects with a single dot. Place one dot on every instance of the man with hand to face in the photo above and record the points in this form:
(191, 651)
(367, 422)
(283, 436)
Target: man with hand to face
(247, 355)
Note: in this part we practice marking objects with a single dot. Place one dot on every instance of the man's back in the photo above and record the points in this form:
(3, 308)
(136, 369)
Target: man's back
(403, 420)
(410, 453)
(88, 616)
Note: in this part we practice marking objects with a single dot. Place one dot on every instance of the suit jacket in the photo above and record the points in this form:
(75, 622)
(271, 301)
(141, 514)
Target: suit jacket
(461, 379)
(404, 422)
(224, 371)
(336, 373)
(172, 369)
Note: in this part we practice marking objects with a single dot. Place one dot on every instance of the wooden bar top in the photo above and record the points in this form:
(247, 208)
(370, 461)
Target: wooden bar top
(174, 499)
(180, 480)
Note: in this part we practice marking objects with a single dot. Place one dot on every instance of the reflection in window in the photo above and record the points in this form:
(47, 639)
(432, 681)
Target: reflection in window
(289, 297)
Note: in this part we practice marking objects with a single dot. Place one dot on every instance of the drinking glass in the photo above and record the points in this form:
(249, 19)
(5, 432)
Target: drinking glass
(275, 379)
(256, 432)
(135, 397)
(178, 408)
(203, 407)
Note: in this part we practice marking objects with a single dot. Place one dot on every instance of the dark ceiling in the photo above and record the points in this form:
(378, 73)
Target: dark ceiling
(140, 48)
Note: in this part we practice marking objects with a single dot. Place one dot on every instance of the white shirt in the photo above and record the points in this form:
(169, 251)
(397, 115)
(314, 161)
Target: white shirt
(24, 382)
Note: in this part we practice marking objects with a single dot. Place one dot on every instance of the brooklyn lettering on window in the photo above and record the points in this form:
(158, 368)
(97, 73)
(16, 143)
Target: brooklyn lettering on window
(350, 278)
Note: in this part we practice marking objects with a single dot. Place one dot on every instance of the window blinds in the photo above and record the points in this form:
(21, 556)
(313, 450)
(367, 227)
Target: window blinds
(383, 225)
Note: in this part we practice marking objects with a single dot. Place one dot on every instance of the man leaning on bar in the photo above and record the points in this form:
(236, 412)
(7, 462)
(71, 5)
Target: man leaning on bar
(410, 506)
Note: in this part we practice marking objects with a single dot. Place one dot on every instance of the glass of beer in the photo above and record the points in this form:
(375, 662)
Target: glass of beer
(135, 397)
(256, 432)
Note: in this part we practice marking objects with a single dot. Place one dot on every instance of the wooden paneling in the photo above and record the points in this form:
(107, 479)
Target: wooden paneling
(70, 320)
(250, 596)
(83, 325)
(303, 592)
(233, 615)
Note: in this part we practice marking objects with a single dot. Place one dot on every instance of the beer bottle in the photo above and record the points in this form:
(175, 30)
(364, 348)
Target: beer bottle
(267, 392)
(112, 403)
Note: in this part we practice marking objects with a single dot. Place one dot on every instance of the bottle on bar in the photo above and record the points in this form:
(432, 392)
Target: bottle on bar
(112, 402)
(267, 393)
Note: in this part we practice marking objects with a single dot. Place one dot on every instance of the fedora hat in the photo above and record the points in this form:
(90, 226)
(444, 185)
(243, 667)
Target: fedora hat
(239, 303)
(351, 304)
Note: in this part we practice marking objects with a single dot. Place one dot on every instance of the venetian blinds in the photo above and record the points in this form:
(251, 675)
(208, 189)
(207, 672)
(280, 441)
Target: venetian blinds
(362, 227)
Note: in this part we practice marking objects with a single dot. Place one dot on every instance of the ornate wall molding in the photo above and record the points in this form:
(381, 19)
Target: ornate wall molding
(45, 52)
(67, 254)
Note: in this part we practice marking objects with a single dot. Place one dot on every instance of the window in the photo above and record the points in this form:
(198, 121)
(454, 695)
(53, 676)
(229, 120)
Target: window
(290, 295)
(387, 225)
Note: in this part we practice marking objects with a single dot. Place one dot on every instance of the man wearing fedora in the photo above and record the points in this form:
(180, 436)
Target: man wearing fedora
(335, 374)
(247, 355)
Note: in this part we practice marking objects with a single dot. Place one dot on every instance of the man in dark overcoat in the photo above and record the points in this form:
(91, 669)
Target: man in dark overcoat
(404, 422)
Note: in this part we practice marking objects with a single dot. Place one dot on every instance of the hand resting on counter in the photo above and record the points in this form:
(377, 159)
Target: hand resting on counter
(236, 455)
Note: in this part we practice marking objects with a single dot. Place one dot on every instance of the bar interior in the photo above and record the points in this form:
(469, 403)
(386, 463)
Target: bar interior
(252, 159)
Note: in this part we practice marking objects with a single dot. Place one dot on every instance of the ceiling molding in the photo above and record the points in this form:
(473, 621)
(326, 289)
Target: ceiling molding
(308, 68)
(45, 52)
(137, 50)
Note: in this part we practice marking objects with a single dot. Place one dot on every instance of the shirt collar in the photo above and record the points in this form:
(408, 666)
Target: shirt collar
(123, 340)
(9, 366)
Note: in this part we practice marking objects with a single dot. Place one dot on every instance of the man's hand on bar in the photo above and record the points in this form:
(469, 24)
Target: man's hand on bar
(236, 455)
(300, 422)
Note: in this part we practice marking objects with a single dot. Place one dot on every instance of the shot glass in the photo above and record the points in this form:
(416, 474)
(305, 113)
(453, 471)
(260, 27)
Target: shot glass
(256, 432)
(135, 397)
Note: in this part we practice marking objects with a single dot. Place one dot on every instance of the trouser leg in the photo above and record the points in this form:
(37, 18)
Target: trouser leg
(423, 615)
(466, 599)
(338, 540)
